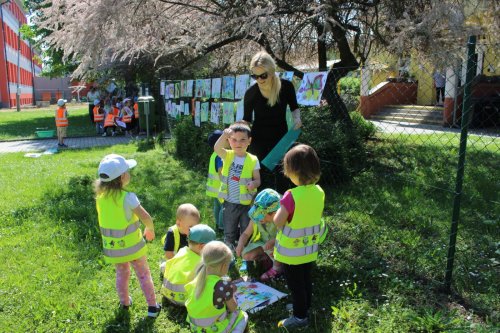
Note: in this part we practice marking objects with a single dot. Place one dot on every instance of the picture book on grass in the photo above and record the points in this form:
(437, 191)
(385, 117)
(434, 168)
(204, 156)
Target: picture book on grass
(255, 296)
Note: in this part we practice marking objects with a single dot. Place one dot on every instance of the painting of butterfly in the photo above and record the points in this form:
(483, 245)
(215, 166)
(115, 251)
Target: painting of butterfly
(311, 88)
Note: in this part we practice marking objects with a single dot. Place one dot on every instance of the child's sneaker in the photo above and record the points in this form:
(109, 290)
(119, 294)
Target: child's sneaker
(154, 311)
(125, 307)
(269, 275)
(293, 322)
(244, 266)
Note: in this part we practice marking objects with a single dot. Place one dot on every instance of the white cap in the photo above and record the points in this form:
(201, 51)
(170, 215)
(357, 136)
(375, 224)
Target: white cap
(97, 101)
(113, 166)
(126, 100)
(61, 102)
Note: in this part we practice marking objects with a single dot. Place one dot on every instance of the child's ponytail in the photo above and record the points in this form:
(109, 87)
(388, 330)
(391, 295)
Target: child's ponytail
(201, 274)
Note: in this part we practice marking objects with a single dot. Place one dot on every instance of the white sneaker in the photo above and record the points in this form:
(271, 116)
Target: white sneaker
(103, 134)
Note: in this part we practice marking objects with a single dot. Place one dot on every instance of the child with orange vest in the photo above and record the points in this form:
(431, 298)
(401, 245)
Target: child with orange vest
(98, 115)
(61, 122)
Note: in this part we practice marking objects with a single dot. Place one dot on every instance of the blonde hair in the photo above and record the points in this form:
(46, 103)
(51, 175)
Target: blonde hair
(264, 60)
(187, 209)
(214, 255)
(113, 187)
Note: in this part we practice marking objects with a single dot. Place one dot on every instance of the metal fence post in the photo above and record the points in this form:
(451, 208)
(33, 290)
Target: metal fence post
(466, 108)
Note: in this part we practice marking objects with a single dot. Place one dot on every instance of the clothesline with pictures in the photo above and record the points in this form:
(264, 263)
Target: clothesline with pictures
(225, 95)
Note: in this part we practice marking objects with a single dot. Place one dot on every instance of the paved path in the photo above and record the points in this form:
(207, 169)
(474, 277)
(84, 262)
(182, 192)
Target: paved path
(42, 145)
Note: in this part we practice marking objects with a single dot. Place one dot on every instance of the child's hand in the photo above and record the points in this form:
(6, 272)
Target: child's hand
(269, 245)
(227, 132)
(238, 250)
(251, 185)
(149, 234)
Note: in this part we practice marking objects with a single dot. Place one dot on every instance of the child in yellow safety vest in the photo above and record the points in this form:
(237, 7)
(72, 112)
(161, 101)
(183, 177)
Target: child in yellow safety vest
(256, 243)
(213, 180)
(119, 213)
(180, 269)
(187, 216)
(240, 179)
(211, 304)
(300, 229)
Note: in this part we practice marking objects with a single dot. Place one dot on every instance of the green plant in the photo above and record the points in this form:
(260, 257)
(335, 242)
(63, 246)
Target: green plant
(350, 85)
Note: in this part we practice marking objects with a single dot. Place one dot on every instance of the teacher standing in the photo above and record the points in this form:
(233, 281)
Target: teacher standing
(265, 106)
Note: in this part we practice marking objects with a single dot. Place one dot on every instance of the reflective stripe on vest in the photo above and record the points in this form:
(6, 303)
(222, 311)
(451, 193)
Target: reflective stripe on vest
(61, 119)
(178, 288)
(127, 119)
(245, 177)
(98, 116)
(110, 120)
(297, 243)
(213, 181)
(120, 233)
(136, 111)
(204, 322)
(121, 237)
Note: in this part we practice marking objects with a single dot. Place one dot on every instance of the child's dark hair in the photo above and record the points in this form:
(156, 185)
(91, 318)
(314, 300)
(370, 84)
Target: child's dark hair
(241, 126)
(303, 162)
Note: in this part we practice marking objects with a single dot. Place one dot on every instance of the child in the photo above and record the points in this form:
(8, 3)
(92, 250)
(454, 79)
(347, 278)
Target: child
(126, 115)
(109, 124)
(211, 304)
(61, 122)
(180, 269)
(98, 115)
(262, 234)
(187, 216)
(239, 181)
(300, 229)
(119, 213)
(213, 180)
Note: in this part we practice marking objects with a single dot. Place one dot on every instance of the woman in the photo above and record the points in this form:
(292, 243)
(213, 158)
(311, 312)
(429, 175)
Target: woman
(267, 101)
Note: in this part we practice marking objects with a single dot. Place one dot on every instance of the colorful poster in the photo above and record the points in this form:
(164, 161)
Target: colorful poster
(287, 76)
(197, 114)
(177, 89)
(181, 107)
(183, 88)
(204, 111)
(228, 87)
(207, 83)
(242, 84)
(189, 88)
(186, 109)
(311, 88)
(198, 89)
(228, 112)
(255, 296)
(162, 88)
(214, 113)
(216, 87)
(167, 107)
(239, 110)
(169, 93)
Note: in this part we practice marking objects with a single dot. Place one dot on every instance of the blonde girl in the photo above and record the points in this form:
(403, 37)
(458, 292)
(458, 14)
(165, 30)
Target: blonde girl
(119, 213)
(211, 304)
(300, 230)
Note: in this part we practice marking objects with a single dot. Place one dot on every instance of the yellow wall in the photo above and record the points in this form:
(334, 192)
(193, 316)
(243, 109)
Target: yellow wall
(423, 74)
(491, 61)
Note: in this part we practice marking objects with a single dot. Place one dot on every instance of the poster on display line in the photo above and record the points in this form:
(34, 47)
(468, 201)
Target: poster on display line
(311, 88)
(216, 87)
(204, 111)
(228, 87)
(197, 115)
(214, 113)
(242, 84)
(228, 112)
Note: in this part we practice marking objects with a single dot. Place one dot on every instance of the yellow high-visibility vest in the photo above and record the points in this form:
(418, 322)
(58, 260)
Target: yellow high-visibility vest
(178, 271)
(203, 316)
(245, 177)
(297, 243)
(213, 181)
(121, 238)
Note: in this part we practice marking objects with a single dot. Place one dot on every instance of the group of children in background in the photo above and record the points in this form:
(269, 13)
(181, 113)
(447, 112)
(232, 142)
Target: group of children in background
(283, 233)
(111, 116)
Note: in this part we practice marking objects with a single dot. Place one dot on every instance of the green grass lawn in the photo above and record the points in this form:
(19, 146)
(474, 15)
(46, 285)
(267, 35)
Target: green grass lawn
(22, 125)
(380, 269)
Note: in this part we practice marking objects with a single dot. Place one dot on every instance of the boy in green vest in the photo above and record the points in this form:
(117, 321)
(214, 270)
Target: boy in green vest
(239, 180)
(180, 269)
(187, 216)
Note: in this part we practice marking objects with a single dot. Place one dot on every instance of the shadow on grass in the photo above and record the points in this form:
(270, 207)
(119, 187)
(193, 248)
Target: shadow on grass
(120, 323)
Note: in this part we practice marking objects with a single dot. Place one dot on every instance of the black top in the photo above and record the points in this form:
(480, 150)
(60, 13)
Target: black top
(170, 241)
(269, 123)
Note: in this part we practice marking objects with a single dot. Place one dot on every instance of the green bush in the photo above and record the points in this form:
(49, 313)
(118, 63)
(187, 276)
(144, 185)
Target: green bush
(350, 85)
(365, 128)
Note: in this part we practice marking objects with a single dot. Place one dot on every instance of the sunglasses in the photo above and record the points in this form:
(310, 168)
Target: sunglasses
(262, 76)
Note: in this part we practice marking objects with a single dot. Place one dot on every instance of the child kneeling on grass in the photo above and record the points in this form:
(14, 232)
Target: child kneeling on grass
(211, 304)
(180, 269)
(261, 232)
(119, 213)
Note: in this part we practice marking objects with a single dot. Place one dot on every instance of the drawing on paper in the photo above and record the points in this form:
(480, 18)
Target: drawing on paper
(254, 296)
(242, 84)
(197, 115)
(311, 88)
(204, 111)
(216, 87)
(214, 113)
(228, 87)
(228, 112)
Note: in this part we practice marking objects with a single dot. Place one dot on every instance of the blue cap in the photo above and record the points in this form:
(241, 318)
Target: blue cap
(267, 201)
(201, 233)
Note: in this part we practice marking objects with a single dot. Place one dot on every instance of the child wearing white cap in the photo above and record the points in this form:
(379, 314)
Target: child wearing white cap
(119, 213)
(61, 122)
